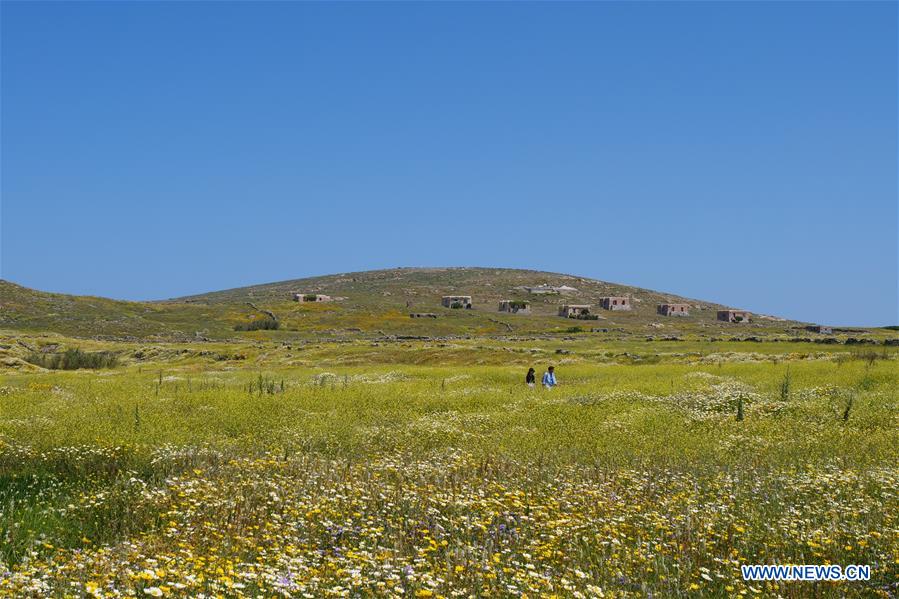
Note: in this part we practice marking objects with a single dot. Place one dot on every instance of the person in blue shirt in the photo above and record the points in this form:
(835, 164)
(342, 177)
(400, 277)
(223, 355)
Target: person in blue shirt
(549, 377)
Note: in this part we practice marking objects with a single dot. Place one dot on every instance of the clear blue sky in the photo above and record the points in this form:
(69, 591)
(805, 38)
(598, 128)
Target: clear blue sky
(744, 153)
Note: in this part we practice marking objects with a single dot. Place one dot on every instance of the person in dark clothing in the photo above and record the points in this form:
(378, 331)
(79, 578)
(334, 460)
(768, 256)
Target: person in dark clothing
(531, 378)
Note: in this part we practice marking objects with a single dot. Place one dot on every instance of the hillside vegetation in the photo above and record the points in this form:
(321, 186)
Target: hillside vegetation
(414, 468)
(240, 444)
(377, 304)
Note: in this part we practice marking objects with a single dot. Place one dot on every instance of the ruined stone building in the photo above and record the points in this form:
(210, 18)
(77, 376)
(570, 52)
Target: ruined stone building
(734, 316)
(818, 328)
(311, 297)
(615, 303)
(673, 309)
(515, 306)
(456, 301)
(574, 311)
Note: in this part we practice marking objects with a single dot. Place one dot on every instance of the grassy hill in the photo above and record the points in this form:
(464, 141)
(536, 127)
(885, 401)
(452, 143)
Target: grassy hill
(24, 309)
(372, 304)
(381, 301)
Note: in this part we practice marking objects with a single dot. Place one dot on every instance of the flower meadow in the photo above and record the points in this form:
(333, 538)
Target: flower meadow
(187, 479)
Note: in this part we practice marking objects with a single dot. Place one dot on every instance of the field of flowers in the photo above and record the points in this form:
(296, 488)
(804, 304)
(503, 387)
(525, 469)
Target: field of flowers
(342, 479)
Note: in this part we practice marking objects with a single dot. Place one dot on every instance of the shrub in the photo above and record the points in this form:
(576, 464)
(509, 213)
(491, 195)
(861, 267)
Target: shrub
(871, 356)
(310, 297)
(260, 324)
(848, 409)
(785, 385)
(263, 385)
(73, 359)
(586, 316)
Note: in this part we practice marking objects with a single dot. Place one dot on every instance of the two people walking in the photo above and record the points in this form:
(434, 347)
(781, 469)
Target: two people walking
(549, 378)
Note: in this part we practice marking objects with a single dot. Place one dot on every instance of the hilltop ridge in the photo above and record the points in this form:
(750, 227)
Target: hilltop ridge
(488, 284)
(372, 303)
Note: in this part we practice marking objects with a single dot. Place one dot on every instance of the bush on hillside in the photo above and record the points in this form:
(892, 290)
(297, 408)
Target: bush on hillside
(586, 316)
(73, 359)
(260, 324)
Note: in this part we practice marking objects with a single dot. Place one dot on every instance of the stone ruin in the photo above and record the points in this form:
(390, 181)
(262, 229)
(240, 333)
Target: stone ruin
(456, 301)
(311, 298)
(574, 311)
(818, 328)
(515, 306)
(673, 309)
(734, 316)
(615, 303)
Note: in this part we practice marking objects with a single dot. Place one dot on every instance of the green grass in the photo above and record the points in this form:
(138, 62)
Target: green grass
(406, 468)
(190, 447)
